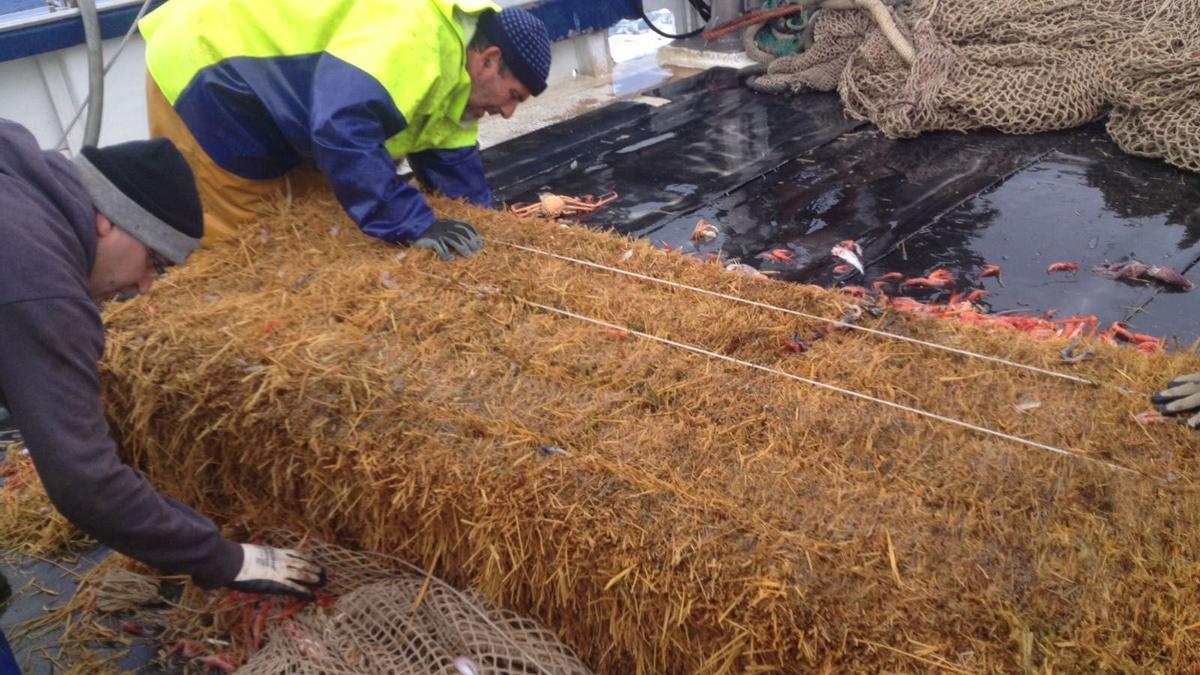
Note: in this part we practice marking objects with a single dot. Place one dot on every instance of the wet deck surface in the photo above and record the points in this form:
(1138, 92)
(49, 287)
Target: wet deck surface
(794, 173)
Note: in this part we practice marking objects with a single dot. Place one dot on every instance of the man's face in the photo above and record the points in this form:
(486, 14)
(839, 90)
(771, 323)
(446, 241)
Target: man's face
(122, 262)
(492, 92)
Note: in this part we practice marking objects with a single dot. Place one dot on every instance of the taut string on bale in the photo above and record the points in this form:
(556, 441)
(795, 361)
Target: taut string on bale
(841, 390)
(663, 511)
(823, 319)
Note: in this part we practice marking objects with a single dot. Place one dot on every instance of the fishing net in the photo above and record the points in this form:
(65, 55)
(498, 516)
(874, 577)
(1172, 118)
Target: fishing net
(1155, 92)
(1019, 66)
(388, 619)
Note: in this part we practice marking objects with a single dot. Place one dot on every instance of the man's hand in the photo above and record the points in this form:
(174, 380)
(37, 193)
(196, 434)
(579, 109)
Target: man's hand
(279, 571)
(1182, 396)
(446, 236)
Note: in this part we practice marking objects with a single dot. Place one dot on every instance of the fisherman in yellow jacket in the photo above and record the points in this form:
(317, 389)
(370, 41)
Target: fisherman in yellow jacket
(266, 97)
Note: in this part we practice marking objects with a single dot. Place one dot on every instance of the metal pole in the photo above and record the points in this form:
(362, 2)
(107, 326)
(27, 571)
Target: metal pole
(91, 31)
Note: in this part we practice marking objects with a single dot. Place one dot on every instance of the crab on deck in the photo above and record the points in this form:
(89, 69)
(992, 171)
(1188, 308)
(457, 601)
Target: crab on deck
(553, 206)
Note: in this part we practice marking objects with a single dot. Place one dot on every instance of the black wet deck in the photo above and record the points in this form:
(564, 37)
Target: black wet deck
(796, 173)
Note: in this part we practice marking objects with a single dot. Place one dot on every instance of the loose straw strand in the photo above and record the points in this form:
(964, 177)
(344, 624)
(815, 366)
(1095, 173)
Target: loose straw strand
(805, 315)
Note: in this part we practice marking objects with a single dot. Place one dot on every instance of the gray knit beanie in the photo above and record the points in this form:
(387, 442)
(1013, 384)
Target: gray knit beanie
(147, 189)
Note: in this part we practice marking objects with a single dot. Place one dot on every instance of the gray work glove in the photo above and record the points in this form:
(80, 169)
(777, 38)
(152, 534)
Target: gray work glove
(446, 237)
(279, 571)
(1182, 396)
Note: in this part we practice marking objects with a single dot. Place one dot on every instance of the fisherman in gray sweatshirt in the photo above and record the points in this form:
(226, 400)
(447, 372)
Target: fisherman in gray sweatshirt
(73, 234)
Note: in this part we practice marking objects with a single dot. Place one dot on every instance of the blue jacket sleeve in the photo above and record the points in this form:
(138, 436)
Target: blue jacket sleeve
(457, 173)
(352, 116)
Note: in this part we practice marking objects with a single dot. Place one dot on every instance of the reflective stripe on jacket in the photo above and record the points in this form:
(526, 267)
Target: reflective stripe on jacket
(350, 85)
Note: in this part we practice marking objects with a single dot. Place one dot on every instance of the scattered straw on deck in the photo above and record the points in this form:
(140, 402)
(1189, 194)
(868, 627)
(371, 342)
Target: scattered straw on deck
(29, 523)
(663, 510)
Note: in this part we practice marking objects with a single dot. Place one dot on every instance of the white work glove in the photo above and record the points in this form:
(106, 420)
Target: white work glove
(279, 571)
(1182, 396)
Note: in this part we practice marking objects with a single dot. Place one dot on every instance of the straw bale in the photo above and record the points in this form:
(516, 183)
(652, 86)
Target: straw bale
(705, 517)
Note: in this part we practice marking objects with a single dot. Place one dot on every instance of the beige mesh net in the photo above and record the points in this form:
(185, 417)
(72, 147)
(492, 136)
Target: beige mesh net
(390, 617)
(1155, 93)
(1020, 66)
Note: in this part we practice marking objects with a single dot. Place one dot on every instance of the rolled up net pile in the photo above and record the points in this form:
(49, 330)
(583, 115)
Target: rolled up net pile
(1019, 66)
(1155, 89)
(666, 491)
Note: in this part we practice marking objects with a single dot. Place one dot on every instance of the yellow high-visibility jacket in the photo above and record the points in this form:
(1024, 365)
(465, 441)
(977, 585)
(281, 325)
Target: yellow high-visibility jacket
(348, 85)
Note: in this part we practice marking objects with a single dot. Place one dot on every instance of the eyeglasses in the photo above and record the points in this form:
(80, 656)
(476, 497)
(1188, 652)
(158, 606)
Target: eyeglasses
(159, 263)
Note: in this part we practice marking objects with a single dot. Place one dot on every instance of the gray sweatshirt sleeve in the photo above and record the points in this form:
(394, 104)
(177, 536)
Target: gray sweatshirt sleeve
(49, 349)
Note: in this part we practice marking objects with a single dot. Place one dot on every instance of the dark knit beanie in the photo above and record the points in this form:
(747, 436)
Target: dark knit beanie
(524, 43)
(147, 189)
